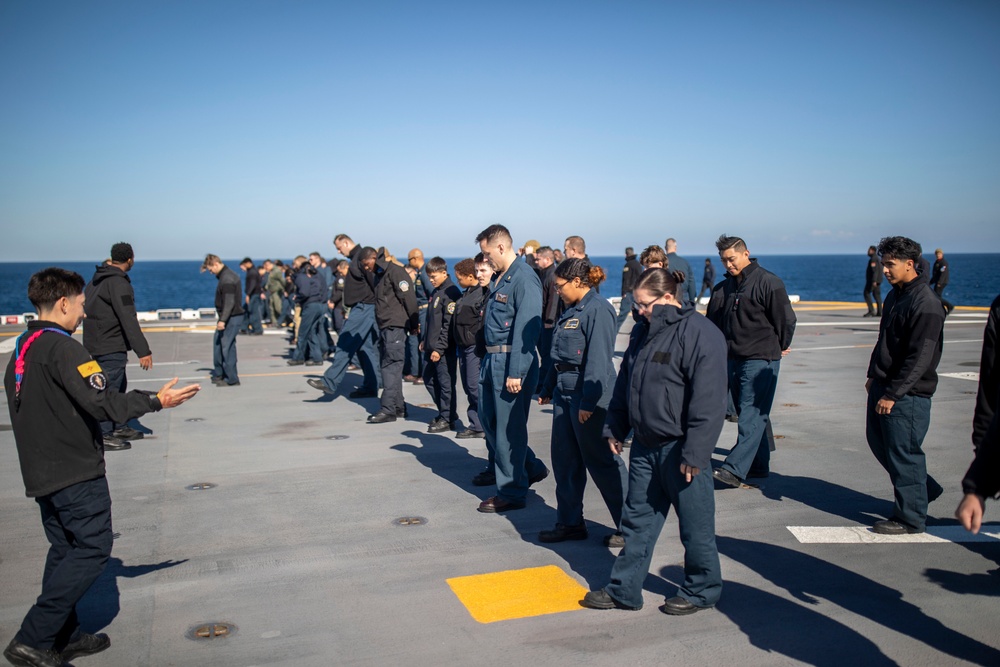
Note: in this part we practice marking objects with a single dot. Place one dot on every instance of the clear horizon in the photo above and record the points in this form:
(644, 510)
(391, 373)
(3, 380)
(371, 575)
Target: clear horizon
(258, 128)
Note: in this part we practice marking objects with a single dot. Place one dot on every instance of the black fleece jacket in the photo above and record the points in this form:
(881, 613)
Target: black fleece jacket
(754, 313)
(395, 297)
(228, 295)
(56, 421)
(908, 349)
(112, 324)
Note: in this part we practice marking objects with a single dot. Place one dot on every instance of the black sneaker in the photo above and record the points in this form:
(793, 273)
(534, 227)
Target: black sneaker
(893, 527)
(113, 444)
(128, 433)
(295, 362)
(723, 476)
(314, 363)
(469, 433)
(87, 644)
(363, 393)
(381, 418)
(601, 600)
(439, 426)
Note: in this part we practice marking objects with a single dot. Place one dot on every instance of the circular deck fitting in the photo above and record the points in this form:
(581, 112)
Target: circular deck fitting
(200, 486)
(337, 437)
(409, 521)
(790, 405)
(213, 630)
(194, 419)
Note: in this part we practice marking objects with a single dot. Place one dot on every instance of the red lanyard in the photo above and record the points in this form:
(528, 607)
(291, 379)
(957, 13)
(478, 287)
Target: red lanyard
(20, 353)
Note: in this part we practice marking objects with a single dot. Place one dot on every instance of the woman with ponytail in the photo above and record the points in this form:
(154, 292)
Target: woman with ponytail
(578, 385)
(671, 391)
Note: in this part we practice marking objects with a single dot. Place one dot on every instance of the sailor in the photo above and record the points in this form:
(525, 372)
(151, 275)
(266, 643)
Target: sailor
(630, 274)
(438, 347)
(414, 366)
(509, 374)
(113, 330)
(396, 315)
(579, 386)
(57, 394)
(873, 284)
(678, 263)
(229, 308)
(465, 331)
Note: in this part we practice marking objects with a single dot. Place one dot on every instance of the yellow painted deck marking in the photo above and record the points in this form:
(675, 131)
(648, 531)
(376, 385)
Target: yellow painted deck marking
(502, 596)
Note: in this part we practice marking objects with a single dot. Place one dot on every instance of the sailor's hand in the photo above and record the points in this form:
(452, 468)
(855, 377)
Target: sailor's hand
(145, 363)
(171, 398)
(584, 415)
(970, 512)
(514, 385)
(689, 472)
(616, 446)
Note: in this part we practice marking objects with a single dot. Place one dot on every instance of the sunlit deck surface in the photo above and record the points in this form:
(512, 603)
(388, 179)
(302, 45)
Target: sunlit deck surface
(297, 549)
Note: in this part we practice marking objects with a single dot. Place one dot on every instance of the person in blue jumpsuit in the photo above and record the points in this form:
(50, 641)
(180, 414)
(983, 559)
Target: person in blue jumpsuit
(579, 385)
(511, 322)
(671, 390)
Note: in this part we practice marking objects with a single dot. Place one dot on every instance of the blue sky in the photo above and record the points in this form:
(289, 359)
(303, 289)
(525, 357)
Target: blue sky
(266, 127)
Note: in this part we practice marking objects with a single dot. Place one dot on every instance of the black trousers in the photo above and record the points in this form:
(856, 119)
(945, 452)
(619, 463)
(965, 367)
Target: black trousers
(77, 523)
(874, 307)
(392, 352)
(113, 365)
(439, 378)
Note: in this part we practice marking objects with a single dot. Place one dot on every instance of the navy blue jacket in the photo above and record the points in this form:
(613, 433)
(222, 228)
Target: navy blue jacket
(677, 263)
(440, 314)
(513, 316)
(310, 288)
(754, 313)
(584, 337)
(467, 326)
(672, 385)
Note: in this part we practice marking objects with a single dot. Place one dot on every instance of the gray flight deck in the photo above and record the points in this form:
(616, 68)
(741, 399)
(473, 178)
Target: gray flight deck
(296, 547)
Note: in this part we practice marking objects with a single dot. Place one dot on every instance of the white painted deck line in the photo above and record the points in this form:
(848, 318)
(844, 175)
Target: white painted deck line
(969, 375)
(864, 535)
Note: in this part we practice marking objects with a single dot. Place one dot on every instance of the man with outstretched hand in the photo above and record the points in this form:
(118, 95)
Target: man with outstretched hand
(57, 396)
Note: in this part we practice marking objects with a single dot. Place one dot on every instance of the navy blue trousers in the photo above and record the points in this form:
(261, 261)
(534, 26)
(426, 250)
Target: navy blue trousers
(578, 449)
(469, 364)
(439, 378)
(752, 383)
(113, 365)
(896, 440)
(357, 337)
(655, 482)
(392, 351)
(505, 421)
(77, 523)
(309, 342)
(224, 350)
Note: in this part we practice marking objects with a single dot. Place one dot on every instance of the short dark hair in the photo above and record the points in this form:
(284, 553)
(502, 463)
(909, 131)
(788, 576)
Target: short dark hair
(466, 267)
(51, 284)
(629, 250)
(577, 267)
(659, 282)
(726, 242)
(495, 233)
(436, 265)
(367, 253)
(121, 253)
(577, 243)
(480, 258)
(545, 251)
(246, 260)
(900, 247)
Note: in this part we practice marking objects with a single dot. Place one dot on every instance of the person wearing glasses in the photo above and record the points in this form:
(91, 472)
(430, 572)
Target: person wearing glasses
(671, 391)
(751, 308)
(578, 385)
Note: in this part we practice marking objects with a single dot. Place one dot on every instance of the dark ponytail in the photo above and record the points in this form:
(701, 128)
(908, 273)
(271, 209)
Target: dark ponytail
(660, 282)
(578, 267)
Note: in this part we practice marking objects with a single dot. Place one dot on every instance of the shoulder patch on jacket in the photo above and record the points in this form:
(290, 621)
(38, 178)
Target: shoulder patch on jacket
(572, 324)
(89, 368)
(127, 300)
(404, 286)
(451, 308)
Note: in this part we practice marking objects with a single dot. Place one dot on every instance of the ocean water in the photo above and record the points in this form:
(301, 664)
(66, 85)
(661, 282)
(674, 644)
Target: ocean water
(179, 284)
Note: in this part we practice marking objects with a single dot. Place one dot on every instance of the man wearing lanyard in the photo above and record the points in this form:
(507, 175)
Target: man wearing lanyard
(57, 395)
(512, 321)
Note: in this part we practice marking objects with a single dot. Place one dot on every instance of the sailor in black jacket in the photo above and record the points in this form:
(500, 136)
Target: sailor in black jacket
(112, 330)
(397, 315)
(229, 307)
(902, 377)
(311, 295)
(466, 328)
(671, 391)
(752, 309)
(579, 387)
(253, 304)
(873, 284)
(438, 347)
(56, 395)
